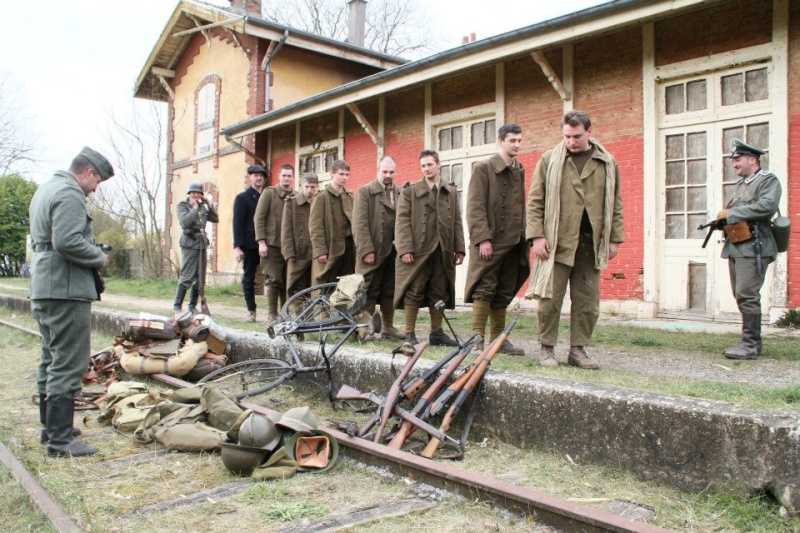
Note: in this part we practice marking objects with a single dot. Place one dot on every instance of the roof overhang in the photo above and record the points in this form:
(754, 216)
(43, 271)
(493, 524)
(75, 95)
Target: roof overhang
(190, 17)
(567, 29)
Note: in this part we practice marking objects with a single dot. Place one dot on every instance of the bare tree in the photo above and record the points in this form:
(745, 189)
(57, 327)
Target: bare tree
(137, 148)
(394, 27)
(16, 141)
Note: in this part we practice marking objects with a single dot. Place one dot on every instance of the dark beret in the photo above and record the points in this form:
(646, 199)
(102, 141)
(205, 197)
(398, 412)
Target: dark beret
(98, 161)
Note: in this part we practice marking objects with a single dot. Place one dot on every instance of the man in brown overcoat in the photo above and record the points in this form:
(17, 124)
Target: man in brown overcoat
(429, 238)
(330, 228)
(575, 223)
(373, 230)
(269, 213)
(499, 260)
(295, 239)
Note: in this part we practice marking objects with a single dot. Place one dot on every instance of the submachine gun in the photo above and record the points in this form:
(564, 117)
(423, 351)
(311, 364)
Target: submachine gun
(712, 226)
(755, 231)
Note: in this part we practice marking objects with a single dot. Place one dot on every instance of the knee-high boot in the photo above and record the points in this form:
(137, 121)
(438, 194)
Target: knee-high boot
(44, 439)
(748, 347)
(180, 294)
(60, 413)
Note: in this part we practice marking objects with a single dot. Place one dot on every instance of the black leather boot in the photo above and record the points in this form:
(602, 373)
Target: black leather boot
(180, 294)
(440, 338)
(751, 337)
(59, 428)
(43, 419)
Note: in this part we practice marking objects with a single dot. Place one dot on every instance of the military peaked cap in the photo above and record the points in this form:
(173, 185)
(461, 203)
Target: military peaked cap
(740, 149)
(257, 169)
(98, 161)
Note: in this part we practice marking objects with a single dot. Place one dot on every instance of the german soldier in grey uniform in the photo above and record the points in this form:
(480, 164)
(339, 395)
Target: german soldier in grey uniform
(499, 262)
(373, 230)
(193, 214)
(61, 292)
(295, 239)
(754, 203)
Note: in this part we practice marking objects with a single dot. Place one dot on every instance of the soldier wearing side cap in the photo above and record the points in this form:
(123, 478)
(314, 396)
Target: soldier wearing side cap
(754, 203)
(193, 214)
(62, 289)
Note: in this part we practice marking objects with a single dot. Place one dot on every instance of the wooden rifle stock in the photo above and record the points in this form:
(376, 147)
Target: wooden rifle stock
(475, 377)
(415, 387)
(407, 428)
(394, 391)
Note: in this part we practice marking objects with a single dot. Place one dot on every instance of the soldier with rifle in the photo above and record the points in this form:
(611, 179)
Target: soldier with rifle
(749, 244)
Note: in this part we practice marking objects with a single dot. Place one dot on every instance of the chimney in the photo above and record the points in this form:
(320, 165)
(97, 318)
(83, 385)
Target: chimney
(248, 8)
(356, 21)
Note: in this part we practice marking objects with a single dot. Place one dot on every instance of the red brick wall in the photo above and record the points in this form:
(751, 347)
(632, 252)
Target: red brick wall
(404, 132)
(793, 179)
(282, 152)
(360, 151)
(465, 90)
(720, 28)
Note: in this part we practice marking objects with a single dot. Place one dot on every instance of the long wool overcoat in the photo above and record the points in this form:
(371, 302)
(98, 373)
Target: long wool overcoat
(295, 240)
(422, 225)
(373, 225)
(328, 226)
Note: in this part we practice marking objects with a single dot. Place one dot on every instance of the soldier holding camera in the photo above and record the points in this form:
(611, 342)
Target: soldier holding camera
(193, 214)
(749, 244)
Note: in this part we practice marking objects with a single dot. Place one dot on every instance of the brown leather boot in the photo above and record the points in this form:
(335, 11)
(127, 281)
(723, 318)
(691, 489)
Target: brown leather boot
(251, 316)
(547, 356)
(578, 357)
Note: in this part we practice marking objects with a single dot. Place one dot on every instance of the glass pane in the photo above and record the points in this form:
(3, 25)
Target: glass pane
(696, 172)
(458, 137)
(756, 85)
(694, 221)
(444, 139)
(675, 173)
(696, 144)
(444, 172)
(673, 97)
(696, 199)
(457, 176)
(758, 135)
(491, 132)
(674, 147)
(330, 158)
(696, 97)
(675, 227)
(732, 89)
(676, 200)
(728, 173)
(477, 131)
(727, 191)
(728, 135)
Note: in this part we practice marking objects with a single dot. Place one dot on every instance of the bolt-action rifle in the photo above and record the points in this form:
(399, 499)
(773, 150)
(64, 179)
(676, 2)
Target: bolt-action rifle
(394, 392)
(420, 409)
(413, 388)
(475, 378)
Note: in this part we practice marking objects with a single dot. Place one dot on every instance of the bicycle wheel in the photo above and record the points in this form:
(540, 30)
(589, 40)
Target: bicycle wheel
(310, 307)
(248, 378)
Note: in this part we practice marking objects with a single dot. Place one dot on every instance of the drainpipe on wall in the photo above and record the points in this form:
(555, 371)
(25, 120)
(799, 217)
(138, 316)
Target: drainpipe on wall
(356, 21)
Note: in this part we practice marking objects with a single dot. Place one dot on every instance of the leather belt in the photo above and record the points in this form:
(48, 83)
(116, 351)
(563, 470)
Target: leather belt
(47, 247)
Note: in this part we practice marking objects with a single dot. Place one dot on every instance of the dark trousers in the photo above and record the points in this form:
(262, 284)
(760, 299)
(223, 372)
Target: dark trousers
(250, 264)
(430, 284)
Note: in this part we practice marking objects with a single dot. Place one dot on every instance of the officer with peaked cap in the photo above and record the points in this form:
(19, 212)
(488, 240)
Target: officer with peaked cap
(752, 206)
(61, 291)
(193, 214)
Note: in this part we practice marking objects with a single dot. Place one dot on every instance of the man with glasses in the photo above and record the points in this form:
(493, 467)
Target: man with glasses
(61, 291)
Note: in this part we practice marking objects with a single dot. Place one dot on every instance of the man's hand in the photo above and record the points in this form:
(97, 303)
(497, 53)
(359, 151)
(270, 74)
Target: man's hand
(105, 260)
(407, 258)
(459, 258)
(613, 250)
(263, 249)
(290, 259)
(722, 215)
(541, 248)
(370, 258)
(238, 254)
(323, 258)
(485, 250)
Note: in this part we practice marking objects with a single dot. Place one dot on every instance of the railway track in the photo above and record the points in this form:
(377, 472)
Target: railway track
(562, 515)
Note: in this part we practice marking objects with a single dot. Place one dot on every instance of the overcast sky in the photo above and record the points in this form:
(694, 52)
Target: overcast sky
(76, 61)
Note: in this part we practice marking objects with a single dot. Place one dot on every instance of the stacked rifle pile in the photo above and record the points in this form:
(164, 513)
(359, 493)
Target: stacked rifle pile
(438, 395)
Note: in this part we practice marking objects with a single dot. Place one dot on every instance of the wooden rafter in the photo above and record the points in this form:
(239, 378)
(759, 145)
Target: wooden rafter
(551, 75)
(377, 139)
(239, 42)
(203, 27)
(163, 81)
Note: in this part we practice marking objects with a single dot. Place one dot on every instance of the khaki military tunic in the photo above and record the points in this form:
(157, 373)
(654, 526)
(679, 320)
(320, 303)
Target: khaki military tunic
(330, 228)
(296, 243)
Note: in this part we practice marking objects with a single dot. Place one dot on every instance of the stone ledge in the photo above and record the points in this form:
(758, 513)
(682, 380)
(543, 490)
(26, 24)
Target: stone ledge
(689, 443)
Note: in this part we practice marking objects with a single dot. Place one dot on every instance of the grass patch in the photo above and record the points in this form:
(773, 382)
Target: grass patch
(261, 492)
(289, 512)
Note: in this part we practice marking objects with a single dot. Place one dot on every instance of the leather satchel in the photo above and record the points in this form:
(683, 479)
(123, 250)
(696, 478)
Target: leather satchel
(737, 233)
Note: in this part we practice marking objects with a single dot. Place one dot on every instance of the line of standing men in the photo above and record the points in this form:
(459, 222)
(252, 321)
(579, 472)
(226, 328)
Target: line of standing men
(407, 241)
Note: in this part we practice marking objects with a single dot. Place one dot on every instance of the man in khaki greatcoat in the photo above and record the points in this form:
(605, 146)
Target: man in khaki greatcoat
(499, 260)
(269, 213)
(575, 222)
(429, 238)
(373, 230)
(62, 289)
(331, 230)
(295, 239)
